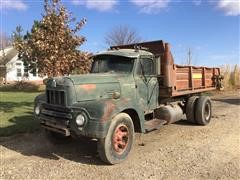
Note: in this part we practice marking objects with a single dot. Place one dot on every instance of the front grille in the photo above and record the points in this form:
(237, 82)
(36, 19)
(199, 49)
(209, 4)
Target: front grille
(55, 114)
(56, 97)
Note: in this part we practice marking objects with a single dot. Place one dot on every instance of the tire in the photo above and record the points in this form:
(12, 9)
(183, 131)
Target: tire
(203, 110)
(115, 147)
(56, 138)
(190, 109)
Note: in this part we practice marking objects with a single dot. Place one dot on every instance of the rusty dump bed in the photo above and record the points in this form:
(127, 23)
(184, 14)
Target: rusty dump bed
(191, 79)
(175, 80)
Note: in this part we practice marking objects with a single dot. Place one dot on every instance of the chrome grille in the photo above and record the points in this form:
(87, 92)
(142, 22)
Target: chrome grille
(56, 97)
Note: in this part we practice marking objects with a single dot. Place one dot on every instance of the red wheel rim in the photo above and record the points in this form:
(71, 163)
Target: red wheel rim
(120, 138)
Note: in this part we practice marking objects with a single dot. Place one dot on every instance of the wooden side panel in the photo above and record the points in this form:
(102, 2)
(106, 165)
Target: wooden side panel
(192, 78)
(182, 78)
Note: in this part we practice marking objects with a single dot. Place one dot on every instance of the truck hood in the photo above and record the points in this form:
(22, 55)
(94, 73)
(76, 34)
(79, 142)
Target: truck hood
(93, 78)
(95, 86)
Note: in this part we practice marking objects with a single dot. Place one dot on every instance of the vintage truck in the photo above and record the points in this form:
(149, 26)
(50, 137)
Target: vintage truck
(130, 88)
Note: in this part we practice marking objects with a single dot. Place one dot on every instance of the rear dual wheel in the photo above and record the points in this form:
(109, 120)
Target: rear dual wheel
(190, 109)
(199, 110)
(203, 110)
(115, 147)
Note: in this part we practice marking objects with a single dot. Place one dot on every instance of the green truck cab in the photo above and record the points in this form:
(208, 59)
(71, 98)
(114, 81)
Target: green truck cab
(120, 96)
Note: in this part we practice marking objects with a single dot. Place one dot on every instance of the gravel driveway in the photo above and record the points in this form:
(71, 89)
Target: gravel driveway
(176, 151)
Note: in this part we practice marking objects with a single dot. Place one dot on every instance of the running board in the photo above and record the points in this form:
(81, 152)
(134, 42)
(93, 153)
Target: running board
(154, 124)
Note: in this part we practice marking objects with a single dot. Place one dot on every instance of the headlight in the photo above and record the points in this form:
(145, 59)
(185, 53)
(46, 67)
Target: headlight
(37, 109)
(80, 120)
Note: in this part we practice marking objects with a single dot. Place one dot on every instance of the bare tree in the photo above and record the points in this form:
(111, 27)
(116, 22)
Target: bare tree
(5, 41)
(121, 35)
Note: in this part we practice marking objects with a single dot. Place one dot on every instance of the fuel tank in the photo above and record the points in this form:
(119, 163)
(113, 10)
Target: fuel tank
(170, 113)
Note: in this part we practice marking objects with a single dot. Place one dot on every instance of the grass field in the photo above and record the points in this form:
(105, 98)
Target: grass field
(16, 113)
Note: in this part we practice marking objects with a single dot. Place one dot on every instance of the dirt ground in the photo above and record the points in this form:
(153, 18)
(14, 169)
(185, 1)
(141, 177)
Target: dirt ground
(176, 151)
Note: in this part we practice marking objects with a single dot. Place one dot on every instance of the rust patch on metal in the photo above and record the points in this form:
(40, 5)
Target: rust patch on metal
(88, 87)
(108, 109)
(125, 101)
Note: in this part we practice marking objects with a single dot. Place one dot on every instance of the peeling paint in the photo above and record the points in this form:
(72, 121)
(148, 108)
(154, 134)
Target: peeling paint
(108, 109)
(88, 87)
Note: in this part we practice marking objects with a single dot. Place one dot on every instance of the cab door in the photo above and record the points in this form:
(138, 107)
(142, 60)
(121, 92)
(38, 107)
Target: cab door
(146, 83)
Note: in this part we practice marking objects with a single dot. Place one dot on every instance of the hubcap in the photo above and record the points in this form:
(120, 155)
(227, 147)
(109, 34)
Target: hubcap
(207, 111)
(120, 138)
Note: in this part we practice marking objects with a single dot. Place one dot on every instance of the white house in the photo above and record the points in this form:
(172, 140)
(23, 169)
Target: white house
(12, 68)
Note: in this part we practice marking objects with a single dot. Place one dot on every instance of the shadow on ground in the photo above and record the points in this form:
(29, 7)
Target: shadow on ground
(184, 122)
(80, 150)
(20, 124)
(9, 106)
(233, 101)
(37, 144)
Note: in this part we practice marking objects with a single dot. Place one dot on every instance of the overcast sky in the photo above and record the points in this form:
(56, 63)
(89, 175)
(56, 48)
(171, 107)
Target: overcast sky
(209, 28)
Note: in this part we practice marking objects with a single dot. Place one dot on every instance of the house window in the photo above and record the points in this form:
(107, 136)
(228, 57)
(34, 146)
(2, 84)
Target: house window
(19, 72)
(18, 64)
(34, 72)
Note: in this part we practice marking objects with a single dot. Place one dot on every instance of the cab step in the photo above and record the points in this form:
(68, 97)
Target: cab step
(154, 124)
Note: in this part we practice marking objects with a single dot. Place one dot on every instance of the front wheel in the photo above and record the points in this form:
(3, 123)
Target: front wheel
(115, 147)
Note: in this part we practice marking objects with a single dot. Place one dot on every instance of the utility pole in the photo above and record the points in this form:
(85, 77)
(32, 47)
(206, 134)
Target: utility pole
(189, 61)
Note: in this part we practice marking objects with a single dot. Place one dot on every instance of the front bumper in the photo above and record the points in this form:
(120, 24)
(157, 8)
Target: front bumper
(62, 120)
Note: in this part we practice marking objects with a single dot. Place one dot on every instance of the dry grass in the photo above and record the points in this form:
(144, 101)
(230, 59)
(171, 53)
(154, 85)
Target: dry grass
(231, 76)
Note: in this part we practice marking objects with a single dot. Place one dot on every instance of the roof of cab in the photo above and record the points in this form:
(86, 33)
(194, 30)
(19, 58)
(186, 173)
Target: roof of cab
(132, 53)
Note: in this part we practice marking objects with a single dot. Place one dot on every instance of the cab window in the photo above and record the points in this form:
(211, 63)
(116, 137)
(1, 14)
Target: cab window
(145, 67)
(112, 63)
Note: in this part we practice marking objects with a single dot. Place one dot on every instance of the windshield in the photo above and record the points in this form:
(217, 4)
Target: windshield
(111, 64)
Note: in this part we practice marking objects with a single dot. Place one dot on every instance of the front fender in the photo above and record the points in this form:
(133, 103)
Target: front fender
(135, 108)
(41, 98)
(105, 110)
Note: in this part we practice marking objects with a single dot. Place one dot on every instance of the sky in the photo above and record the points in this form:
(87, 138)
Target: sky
(209, 28)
